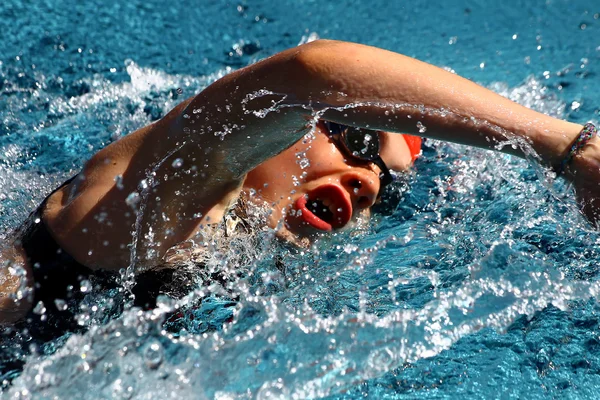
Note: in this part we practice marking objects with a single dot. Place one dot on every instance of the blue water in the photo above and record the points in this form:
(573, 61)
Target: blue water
(482, 284)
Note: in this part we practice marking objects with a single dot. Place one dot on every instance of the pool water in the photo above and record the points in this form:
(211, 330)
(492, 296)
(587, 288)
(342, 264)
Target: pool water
(481, 284)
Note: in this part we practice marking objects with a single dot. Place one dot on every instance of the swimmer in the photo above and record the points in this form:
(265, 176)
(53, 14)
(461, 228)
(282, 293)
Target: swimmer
(244, 133)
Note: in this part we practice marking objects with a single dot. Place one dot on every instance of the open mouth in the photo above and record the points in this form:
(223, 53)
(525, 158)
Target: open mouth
(325, 208)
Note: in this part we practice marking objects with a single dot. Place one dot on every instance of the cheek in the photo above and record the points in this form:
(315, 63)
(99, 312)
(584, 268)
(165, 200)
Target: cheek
(274, 177)
(322, 154)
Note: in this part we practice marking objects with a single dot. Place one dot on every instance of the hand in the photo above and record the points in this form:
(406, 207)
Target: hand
(584, 172)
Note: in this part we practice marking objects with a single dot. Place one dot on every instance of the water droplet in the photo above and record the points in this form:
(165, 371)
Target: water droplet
(164, 303)
(273, 390)
(304, 163)
(122, 389)
(85, 286)
(60, 304)
(133, 199)
(177, 163)
(153, 355)
(542, 359)
(422, 128)
(119, 181)
(39, 308)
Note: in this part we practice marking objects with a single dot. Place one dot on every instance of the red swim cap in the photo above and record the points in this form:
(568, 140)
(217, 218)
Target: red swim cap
(414, 145)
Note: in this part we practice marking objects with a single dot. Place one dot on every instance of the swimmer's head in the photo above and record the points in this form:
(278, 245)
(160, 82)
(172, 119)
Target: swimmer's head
(316, 186)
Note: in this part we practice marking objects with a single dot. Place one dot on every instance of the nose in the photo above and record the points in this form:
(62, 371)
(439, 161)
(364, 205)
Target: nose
(363, 186)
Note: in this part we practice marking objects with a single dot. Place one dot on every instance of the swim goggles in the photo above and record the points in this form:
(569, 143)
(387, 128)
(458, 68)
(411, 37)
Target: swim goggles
(360, 144)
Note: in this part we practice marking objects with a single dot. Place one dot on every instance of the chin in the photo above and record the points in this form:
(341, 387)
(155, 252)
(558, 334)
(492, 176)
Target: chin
(302, 234)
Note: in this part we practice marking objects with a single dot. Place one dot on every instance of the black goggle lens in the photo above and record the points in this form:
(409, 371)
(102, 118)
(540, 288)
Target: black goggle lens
(334, 128)
(361, 144)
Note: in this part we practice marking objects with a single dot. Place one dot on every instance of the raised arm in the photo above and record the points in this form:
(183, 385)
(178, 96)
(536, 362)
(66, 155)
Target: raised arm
(398, 94)
(193, 162)
(372, 88)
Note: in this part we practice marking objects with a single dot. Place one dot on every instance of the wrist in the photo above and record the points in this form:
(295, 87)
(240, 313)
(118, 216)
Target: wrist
(575, 149)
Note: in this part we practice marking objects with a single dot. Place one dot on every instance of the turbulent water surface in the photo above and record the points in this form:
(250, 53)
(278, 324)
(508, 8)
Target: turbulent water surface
(481, 284)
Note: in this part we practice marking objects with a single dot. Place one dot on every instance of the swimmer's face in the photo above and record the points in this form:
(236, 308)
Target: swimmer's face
(314, 187)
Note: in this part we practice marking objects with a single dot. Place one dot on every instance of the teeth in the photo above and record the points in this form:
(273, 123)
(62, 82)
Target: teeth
(330, 205)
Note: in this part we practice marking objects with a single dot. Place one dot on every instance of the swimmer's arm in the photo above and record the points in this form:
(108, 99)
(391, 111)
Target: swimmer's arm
(407, 95)
(392, 92)
(406, 91)
(397, 92)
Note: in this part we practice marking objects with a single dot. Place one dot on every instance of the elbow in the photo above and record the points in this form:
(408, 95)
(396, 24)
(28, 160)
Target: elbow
(315, 71)
(313, 56)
